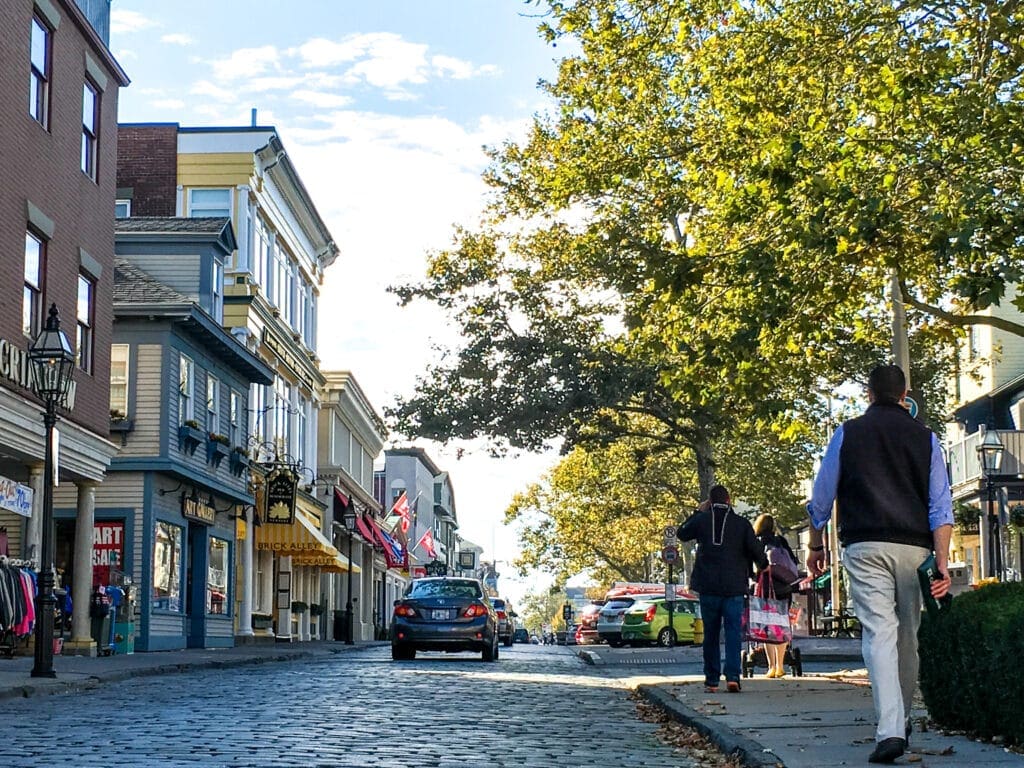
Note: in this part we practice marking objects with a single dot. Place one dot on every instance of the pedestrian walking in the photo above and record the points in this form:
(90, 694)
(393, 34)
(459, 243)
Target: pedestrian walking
(726, 551)
(782, 573)
(885, 472)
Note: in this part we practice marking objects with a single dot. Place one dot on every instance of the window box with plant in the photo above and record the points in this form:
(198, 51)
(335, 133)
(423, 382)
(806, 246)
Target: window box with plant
(315, 609)
(262, 621)
(299, 607)
(119, 421)
(239, 460)
(217, 447)
(190, 436)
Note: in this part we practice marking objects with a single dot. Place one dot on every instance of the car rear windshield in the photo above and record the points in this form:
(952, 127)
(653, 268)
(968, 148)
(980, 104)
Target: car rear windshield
(444, 589)
(619, 602)
(497, 603)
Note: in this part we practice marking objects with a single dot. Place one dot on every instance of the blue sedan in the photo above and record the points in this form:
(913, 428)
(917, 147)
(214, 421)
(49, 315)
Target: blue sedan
(444, 614)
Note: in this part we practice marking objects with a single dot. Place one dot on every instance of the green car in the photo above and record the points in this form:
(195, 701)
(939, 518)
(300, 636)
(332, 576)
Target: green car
(647, 622)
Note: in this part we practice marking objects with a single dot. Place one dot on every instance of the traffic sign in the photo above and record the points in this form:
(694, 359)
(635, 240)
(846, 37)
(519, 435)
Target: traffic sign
(670, 554)
(670, 533)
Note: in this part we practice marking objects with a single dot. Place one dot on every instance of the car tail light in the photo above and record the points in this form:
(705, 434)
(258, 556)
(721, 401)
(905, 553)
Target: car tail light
(501, 615)
(475, 610)
(649, 613)
(404, 610)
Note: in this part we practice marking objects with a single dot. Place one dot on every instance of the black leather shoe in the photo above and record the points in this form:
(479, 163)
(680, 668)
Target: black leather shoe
(887, 750)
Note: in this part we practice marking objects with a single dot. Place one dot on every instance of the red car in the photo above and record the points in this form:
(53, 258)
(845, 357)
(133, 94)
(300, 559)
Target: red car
(586, 634)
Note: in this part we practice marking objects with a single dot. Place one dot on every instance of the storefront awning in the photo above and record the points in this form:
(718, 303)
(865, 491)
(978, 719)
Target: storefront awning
(304, 542)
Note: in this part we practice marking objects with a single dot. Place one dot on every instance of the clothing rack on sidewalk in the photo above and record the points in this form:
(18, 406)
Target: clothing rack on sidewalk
(17, 608)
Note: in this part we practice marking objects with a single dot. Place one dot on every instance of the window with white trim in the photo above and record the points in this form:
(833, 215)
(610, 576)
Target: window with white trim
(301, 430)
(85, 317)
(32, 300)
(237, 419)
(40, 42)
(209, 203)
(212, 405)
(119, 381)
(90, 128)
(186, 389)
(217, 291)
(122, 208)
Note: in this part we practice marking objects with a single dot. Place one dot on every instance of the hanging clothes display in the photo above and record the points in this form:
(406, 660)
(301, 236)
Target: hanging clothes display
(17, 603)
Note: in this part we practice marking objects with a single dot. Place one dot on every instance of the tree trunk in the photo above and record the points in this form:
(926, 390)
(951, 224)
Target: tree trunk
(703, 453)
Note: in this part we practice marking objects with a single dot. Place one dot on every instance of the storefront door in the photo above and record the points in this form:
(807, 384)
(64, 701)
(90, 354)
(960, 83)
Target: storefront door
(195, 586)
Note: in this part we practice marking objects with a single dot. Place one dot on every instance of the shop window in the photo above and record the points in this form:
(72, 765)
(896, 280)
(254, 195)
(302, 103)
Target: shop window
(217, 578)
(167, 567)
(39, 80)
(90, 128)
(119, 381)
(85, 315)
(32, 302)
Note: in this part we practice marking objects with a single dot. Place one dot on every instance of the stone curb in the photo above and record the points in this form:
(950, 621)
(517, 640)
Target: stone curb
(751, 754)
(588, 657)
(90, 681)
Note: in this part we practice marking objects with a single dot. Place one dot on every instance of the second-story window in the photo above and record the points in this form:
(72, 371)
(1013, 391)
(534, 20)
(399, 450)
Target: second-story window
(86, 312)
(186, 389)
(32, 302)
(212, 405)
(122, 208)
(237, 417)
(301, 437)
(209, 202)
(90, 128)
(39, 82)
(119, 381)
(217, 291)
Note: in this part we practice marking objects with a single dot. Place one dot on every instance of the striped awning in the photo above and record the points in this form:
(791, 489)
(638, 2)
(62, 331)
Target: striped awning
(304, 543)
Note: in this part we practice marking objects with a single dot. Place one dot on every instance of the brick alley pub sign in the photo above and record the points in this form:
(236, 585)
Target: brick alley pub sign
(281, 496)
(194, 508)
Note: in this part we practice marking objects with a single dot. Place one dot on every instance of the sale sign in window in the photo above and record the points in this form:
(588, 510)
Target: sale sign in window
(107, 549)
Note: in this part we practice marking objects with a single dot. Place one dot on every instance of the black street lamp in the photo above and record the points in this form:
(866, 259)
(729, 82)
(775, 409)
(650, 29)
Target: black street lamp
(350, 526)
(53, 362)
(990, 453)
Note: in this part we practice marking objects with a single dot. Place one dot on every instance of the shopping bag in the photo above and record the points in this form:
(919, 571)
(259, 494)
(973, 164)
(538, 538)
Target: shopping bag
(767, 617)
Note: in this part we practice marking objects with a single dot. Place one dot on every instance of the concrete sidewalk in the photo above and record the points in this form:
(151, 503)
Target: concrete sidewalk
(818, 721)
(76, 673)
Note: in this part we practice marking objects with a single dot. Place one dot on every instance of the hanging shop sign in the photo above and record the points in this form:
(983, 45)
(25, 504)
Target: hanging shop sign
(194, 508)
(15, 497)
(280, 496)
(289, 357)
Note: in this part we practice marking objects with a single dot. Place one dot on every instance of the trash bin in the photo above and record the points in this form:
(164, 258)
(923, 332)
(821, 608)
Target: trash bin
(100, 621)
(124, 625)
(339, 625)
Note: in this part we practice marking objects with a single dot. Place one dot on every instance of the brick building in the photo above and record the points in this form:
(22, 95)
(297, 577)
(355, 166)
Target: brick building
(59, 118)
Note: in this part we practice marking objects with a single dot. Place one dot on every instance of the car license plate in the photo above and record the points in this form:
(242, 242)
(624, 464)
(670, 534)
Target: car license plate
(439, 615)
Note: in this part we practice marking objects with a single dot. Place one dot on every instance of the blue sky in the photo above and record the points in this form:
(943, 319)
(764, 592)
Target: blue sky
(385, 107)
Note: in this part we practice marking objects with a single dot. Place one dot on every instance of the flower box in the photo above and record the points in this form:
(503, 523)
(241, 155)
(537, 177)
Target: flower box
(190, 438)
(239, 462)
(216, 450)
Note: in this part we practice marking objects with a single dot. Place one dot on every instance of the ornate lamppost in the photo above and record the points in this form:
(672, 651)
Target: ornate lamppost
(990, 453)
(53, 362)
(350, 527)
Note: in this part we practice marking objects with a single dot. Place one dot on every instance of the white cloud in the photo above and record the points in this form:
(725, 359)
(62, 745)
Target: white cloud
(122, 21)
(206, 88)
(460, 69)
(265, 84)
(124, 54)
(246, 62)
(322, 99)
(168, 104)
(178, 38)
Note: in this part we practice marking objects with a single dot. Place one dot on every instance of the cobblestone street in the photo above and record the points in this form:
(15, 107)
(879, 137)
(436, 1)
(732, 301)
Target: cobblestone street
(538, 706)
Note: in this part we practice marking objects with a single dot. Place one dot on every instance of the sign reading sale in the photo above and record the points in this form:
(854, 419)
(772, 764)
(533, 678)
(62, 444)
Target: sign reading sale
(107, 549)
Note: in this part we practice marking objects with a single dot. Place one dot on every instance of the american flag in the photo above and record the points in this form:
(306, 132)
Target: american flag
(394, 553)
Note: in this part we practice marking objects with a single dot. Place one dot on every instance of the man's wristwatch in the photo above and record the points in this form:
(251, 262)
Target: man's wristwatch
(816, 549)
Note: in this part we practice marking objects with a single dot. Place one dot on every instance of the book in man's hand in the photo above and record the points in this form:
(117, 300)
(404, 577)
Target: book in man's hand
(928, 572)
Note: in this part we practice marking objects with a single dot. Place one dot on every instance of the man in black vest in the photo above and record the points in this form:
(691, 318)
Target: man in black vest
(726, 548)
(886, 473)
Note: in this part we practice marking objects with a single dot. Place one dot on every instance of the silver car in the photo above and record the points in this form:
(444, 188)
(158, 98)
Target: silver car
(609, 620)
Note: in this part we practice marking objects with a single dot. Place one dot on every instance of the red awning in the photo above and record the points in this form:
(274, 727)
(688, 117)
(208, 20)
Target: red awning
(364, 529)
(341, 502)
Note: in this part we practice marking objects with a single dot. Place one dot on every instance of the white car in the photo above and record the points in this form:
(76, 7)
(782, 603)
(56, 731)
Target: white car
(609, 620)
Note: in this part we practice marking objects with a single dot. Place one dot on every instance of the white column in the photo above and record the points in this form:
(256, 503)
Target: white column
(245, 609)
(81, 588)
(32, 546)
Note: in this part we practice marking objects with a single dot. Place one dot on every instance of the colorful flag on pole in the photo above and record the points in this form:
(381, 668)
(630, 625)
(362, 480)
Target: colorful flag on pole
(394, 553)
(401, 508)
(427, 542)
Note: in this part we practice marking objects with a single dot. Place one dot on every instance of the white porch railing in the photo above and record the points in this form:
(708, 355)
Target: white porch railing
(965, 464)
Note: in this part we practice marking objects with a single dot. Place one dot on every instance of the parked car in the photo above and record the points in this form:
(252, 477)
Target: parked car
(521, 635)
(587, 632)
(506, 620)
(646, 622)
(609, 619)
(444, 614)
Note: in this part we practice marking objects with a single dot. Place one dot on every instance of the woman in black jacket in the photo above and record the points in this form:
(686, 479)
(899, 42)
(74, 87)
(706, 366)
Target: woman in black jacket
(782, 584)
